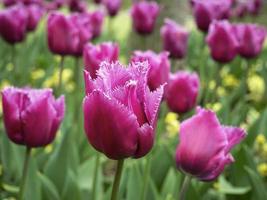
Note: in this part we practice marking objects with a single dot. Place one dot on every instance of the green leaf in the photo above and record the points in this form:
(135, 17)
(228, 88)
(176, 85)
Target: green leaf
(227, 188)
(71, 189)
(49, 190)
(134, 183)
(171, 184)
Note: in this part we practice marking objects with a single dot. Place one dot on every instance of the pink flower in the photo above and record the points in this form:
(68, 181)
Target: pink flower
(112, 6)
(205, 144)
(94, 55)
(120, 111)
(35, 13)
(158, 73)
(182, 91)
(222, 41)
(96, 21)
(32, 117)
(175, 39)
(13, 23)
(144, 16)
(251, 38)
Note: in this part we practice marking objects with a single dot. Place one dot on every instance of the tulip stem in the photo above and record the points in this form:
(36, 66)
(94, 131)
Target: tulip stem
(24, 173)
(184, 188)
(146, 178)
(61, 67)
(117, 179)
(95, 176)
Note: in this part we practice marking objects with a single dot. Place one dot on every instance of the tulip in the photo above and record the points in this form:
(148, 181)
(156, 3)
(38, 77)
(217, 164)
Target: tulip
(31, 116)
(175, 39)
(251, 38)
(94, 55)
(205, 11)
(77, 5)
(120, 111)
(63, 35)
(182, 91)
(222, 41)
(13, 23)
(205, 144)
(9, 2)
(35, 13)
(97, 1)
(112, 6)
(158, 73)
(97, 19)
(144, 15)
(254, 6)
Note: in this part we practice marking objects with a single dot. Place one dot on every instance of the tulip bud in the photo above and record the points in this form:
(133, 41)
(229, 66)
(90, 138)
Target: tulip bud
(254, 6)
(77, 5)
(112, 6)
(182, 91)
(144, 16)
(205, 144)
(35, 13)
(205, 11)
(94, 55)
(174, 38)
(31, 116)
(63, 35)
(120, 111)
(251, 38)
(222, 41)
(13, 23)
(97, 19)
(158, 73)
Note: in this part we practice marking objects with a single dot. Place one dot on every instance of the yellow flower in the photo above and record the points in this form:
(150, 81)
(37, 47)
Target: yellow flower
(262, 169)
(215, 107)
(48, 149)
(260, 139)
(4, 83)
(37, 74)
(230, 80)
(216, 185)
(221, 91)
(172, 124)
(212, 85)
(256, 86)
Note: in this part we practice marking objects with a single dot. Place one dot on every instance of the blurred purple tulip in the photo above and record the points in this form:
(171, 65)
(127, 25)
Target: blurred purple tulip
(94, 55)
(222, 41)
(120, 111)
(158, 73)
(13, 23)
(31, 116)
(97, 20)
(205, 11)
(182, 91)
(77, 5)
(144, 15)
(251, 38)
(254, 6)
(205, 145)
(97, 1)
(112, 6)
(62, 33)
(35, 13)
(174, 38)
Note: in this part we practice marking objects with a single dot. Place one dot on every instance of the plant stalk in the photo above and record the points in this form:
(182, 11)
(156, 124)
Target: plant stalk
(116, 183)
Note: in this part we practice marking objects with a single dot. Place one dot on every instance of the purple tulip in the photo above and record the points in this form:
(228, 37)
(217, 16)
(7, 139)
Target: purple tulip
(9, 2)
(94, 55)
(144, 16)
(205, 11)
(97, 20)
(254, 6)
(158, 73)
(205, 145)
(251, 38)
(13, 23)
(35, 13)
(77, 5)
(182, 91)
(112, 6)
(31, 116)
(120, 111)
(97, 1)
(82, 23)
(222, 41)
(63, 35)
(175, 39)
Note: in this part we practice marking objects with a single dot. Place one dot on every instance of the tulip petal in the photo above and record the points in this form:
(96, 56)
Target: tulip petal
(145, 140)
(110, 127)
(234, 136)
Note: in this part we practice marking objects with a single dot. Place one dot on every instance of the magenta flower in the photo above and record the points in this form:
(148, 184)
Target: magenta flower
(96, 20)
(94, 55)
(205, 145)
(13, 23)
(254, 6)
(63, 35)
(97, 1)
(251, 38)
(158, 73)
(144, 15)
(174, 38)
(120, 111)
(35, 13)
(222, 41)
(77, 5)
(112, 6)
(205, 11)
(31, 116)
(182, 91)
